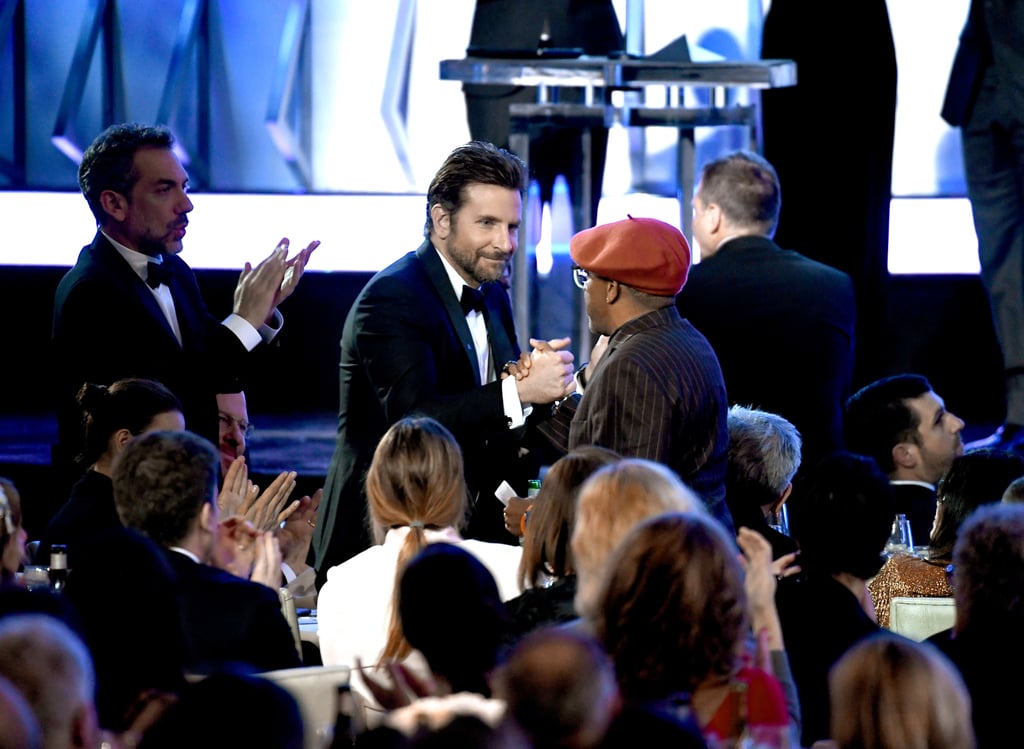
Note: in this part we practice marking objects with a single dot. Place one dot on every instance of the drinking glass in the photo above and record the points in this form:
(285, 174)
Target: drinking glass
(901, 539)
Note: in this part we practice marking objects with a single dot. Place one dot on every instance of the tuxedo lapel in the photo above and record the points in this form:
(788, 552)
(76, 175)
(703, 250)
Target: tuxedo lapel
(452, 307)
(124, 277)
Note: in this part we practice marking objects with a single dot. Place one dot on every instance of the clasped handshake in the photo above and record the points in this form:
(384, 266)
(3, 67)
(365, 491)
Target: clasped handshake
(545, 374)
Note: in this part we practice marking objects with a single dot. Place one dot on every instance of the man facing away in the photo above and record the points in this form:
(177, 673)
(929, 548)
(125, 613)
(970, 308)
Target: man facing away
(653, 388)
(130, 307)
(165, 487)
(781, 324)
(429, 335)
(904, 425)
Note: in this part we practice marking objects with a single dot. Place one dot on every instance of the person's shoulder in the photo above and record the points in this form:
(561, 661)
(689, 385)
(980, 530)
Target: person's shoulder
(492, 549)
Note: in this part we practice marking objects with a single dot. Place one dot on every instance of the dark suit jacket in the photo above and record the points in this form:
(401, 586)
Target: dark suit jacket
(406, 350)
(782, 326)
(89, 512)
(973, 55)
(821, 619)
(107, 326)
(230, 621)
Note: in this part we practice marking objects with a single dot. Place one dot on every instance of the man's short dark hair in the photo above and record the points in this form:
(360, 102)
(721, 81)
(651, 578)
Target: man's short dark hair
(475, 163)
(161, 482)
(746, 187)
(109, 162)
(878, 418)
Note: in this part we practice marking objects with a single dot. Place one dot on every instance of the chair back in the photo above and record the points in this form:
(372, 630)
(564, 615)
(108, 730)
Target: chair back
(291, 616)
(920, 618)
(315, 688)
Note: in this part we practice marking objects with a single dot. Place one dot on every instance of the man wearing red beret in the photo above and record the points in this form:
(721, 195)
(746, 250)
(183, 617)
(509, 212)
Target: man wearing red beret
(656, 391)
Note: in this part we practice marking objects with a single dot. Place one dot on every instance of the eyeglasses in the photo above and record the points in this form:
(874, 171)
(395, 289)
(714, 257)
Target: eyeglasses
(230, 422)
(580, 276)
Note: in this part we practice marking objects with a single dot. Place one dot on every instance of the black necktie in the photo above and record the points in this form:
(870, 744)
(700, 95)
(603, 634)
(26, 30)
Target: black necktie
(156, 274)
(472, 299)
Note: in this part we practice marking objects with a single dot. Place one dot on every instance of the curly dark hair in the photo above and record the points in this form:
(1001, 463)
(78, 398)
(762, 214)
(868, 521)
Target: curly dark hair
(109, 162)
(161, 482)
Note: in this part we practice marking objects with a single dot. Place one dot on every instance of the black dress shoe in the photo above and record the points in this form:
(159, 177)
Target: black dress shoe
(1006, 437)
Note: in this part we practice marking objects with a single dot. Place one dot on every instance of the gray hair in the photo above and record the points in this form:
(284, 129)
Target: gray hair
(764, 449)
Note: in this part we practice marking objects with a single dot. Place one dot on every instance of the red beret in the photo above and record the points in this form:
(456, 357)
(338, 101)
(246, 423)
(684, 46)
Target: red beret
(644, 253)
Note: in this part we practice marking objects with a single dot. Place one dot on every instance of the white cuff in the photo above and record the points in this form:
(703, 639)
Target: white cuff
(246, 333)
(513, 407)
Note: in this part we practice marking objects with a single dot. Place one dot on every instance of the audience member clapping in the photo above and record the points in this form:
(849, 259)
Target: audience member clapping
(888, 692)
(417, 496)
(165, 487)
(978, 477)
(674, 616)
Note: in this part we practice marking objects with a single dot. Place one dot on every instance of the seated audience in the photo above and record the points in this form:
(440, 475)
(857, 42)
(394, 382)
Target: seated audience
(49, 664)
(12, 534)
(235, 428)
(888, 692)
(977, 477)
(841, 513)
(120, 570)
(417, 495)
(985, 643)
(111, 417)
(547, 572)
(229, 710)
(165, 487)
(292, 522)
(674, 616)
(19, 728)
(450, 611)
(559, 688)
(764, 456)
(904, 425)
(610, 503)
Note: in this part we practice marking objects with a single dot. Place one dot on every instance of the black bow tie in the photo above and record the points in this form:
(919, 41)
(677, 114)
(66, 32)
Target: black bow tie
(156, 274)
(472, 299)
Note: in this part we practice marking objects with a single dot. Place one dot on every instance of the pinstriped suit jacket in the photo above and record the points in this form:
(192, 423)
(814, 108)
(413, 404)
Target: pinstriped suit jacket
(658, 393)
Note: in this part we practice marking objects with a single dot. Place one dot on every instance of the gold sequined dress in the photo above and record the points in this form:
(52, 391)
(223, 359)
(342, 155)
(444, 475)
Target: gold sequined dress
(907, 575)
